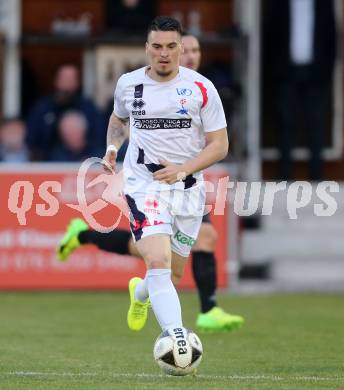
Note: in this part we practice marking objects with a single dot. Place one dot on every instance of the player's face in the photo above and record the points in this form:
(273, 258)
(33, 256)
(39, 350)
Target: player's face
(164, 49)
(191, 56)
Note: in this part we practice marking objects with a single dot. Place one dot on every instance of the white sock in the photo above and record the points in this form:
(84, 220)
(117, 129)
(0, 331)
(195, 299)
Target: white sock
(141, 291)
(164, 298)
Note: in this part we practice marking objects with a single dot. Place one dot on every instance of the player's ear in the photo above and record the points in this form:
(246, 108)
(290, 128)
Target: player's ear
(146, 47)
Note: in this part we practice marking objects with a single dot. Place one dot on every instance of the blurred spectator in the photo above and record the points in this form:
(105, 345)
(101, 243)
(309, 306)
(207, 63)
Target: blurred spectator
(72, 131)
(191, 56)
(12, 141)
(42, 122)
(300, 47)
(130, 16)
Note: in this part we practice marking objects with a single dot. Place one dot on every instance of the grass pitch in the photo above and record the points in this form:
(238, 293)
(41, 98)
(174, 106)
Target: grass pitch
(81, 341)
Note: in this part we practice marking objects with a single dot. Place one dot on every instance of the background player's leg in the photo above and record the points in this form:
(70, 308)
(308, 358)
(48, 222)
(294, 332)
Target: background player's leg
(212, 318)
(204, 266)
(118, 241)
(156, 251)
(78, 233)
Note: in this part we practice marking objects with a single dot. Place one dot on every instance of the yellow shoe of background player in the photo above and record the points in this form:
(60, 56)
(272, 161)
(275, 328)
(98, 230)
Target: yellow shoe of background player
(138, 311)
(70, 240)
(217, 320)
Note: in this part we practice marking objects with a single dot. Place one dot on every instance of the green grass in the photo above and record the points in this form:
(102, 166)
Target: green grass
(81, 341)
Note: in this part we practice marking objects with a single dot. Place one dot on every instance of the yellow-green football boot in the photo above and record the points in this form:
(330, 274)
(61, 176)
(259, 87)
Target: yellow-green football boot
(217, 320)
(70, 240)
(138, 311)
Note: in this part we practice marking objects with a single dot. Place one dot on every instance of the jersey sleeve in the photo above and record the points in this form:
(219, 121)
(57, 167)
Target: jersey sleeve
(119, 101)
(212, 113)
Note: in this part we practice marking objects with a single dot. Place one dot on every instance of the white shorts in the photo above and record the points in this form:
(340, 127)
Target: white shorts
(176, 212)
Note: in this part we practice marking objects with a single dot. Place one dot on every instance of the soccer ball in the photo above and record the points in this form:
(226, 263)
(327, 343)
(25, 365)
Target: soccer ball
(178, 351)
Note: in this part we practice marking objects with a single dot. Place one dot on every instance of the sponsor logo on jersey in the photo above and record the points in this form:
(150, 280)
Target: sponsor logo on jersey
(184, 91)
(138, 104)
(184, 239)
(138, 91)
(138, 112)
(139, 225)
(151, 207)
(151, 203)
(183, 110)
(162, 123)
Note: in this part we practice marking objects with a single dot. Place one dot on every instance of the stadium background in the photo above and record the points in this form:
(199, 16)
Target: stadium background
(39, 36)
(257, 254)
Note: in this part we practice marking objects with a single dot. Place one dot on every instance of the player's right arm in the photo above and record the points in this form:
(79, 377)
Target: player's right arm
(116, 135)
(117, 130)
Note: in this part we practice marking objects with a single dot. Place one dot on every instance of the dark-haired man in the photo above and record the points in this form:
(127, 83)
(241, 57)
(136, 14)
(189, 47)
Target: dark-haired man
(42, 133)
(212, 317)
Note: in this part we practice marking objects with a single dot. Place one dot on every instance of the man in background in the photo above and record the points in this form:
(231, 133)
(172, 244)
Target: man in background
(300, 37)
(72, 132)
(12, 141)
(43, 120)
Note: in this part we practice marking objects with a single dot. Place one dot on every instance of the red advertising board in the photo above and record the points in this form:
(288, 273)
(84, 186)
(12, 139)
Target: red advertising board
(37, 204)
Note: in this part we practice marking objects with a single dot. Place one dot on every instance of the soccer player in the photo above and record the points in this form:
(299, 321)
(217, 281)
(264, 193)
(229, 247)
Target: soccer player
(212, 317)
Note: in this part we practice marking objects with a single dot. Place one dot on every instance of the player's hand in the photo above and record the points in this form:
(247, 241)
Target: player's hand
(109, 160)
(170, 174)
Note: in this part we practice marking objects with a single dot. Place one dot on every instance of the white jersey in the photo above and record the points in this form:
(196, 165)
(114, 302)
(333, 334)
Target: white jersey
(168, 120)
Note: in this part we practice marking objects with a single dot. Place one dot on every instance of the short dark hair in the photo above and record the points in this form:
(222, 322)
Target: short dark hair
(165, 23)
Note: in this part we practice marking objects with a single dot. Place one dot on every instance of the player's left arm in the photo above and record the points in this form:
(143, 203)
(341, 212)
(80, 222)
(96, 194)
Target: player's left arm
(216, 149)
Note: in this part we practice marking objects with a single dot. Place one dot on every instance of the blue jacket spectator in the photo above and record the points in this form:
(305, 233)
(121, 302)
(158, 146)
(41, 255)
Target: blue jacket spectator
(43, 136)
(72, 131)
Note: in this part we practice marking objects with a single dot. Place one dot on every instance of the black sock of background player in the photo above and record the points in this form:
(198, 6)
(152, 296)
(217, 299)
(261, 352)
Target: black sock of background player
(116, 241)
(204, 272)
